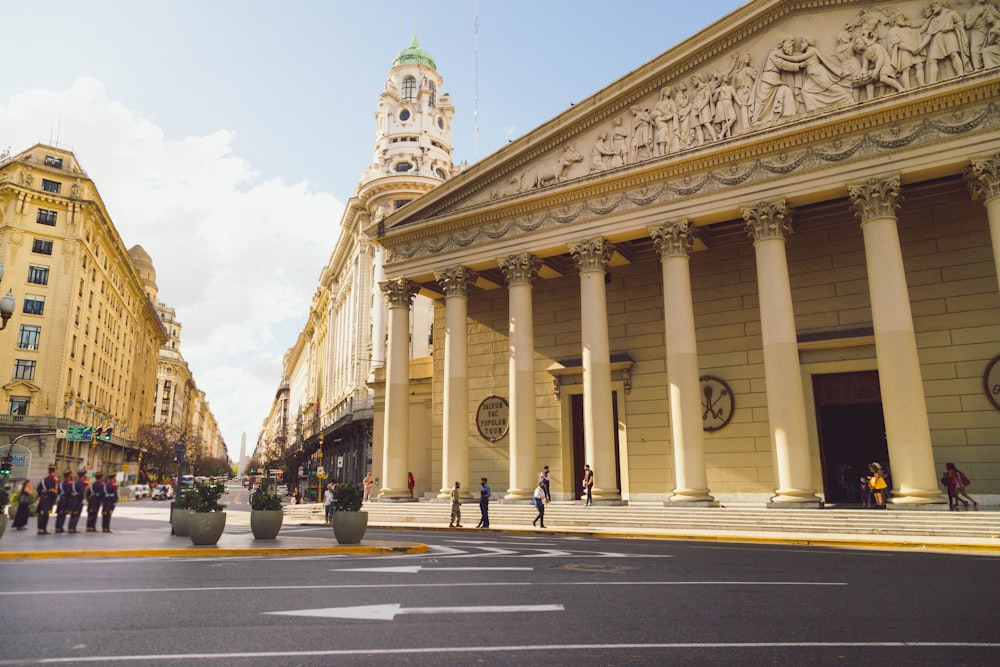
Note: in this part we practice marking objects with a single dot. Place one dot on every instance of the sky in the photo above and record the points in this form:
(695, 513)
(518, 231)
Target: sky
(225, 136)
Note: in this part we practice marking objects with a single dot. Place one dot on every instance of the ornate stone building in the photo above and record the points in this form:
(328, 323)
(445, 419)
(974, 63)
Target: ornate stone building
(741, 273)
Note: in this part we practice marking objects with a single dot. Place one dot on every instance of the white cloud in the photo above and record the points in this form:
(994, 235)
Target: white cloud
(237, 257)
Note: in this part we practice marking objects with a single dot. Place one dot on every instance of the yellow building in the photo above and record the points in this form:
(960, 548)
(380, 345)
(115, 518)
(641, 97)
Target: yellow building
(742, 273)
(81, 348)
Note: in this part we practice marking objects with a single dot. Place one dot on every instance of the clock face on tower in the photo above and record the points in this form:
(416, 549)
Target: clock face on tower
(404, 114)
(717, 403)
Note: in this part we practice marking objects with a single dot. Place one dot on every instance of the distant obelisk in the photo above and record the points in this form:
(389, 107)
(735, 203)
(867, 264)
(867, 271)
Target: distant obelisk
(242, 463)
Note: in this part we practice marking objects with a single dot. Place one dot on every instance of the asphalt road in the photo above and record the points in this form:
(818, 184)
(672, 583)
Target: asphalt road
(481, 598)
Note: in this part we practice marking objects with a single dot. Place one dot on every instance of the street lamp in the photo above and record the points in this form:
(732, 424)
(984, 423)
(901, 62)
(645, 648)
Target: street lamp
(7, 304)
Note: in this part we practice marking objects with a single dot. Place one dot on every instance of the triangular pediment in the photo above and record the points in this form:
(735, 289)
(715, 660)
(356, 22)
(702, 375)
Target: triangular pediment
(759, 72)
(21, 387)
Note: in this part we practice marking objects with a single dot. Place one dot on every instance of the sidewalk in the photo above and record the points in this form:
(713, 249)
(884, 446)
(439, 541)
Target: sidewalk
(142, 530)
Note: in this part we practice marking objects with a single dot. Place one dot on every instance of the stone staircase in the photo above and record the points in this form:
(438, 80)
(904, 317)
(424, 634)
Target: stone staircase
(673, 520)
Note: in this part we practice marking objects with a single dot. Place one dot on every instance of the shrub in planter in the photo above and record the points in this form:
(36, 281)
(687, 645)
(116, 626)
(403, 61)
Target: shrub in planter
(265, 501)
(207, 520)
(183, 504)
(347, 498)
(266, 515)
(349, 522)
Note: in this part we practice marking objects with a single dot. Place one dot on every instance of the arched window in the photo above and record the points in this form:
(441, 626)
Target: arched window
(433, 96)
(404, 166)
(409, 88)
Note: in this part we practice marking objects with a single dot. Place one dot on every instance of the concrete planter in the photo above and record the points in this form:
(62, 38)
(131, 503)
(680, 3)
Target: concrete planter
(3, 523)
(265, 524)
(205, 528)
(350, 527)
(179, 519)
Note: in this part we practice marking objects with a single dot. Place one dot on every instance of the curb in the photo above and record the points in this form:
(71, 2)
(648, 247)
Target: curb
(374, 549)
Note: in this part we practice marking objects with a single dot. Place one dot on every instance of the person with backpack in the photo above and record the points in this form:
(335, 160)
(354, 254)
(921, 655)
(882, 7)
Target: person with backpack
(957, 481)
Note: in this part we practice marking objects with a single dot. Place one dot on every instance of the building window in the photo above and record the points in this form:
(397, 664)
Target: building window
(28, 337)
(432, 98)
(24, 369)
(400, 203)
(33, 305)
(404, 166)
(42, 247)
(409, 88)
(51, 186)
(46, 217)
(53, 161)
(38, 275)
(19, 405)
(404, 115)
(440, 173)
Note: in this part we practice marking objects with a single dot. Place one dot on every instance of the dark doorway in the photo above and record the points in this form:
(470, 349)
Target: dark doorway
(851, 432)
(575, 475)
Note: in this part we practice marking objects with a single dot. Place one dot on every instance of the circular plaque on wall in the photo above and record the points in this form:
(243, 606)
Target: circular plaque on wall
(991, 382)
(717, 403)
(493, 418)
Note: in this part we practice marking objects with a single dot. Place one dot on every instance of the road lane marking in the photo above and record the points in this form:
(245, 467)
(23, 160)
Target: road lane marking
(388, 612)
(414, 569)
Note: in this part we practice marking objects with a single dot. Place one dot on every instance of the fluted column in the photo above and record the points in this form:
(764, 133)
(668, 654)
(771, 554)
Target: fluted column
(399, 294)
(674, 242)
(984, 181)
(907, 429)
(520, 271)
(455, 448)
(591, 258)
(768, 223)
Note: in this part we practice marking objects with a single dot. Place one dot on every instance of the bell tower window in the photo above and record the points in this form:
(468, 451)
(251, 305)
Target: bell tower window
(410, 88)
(433, 94)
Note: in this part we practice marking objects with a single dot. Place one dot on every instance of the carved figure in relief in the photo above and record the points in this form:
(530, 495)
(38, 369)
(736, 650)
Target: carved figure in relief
(725, 107)
(665, 123)
(991, 49)
(603, 153)
(619, 139)
(551, 171)
(978, 19)
(642, 134)
(847, 60)
(821, 80)
(743, 76)
(905, 52)
(702, 112)
(773, 98)
(684, 120)
(944, 40)
(877, 68)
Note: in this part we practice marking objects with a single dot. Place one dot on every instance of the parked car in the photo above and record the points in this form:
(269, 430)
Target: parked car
(139, 491)
(163, 492)
(282, 490)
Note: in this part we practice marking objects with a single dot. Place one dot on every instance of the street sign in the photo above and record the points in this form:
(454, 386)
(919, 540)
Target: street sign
(340, 462)
(80, 433)
(62, 433)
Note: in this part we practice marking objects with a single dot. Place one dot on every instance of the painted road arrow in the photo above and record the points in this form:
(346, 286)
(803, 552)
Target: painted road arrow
(388, 612)
(414, 569)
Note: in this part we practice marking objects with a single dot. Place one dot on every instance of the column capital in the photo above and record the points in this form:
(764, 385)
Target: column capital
(768, 220)
(984, 178)
(592, 254)
(674, 239)
(399, 292)
(520, 269)
(875, 198)
(456, 280)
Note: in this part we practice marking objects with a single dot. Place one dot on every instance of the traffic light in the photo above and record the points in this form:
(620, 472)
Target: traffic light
(99, 433)
(5, 465)
(107, 434)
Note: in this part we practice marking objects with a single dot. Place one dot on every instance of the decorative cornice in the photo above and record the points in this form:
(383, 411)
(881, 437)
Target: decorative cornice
(875, 198)
(768, 220)
(455, 281)
(399, 292)
(592, 254)
(984, 178)
(519, 269)
(675, 239)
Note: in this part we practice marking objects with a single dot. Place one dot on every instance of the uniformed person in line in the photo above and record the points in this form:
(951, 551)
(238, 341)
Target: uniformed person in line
(76, 499)
(62, 504)
(95, 498)
(110, 501)
(48, 491)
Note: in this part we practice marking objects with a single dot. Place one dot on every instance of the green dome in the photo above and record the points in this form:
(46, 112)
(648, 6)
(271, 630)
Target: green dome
(414, 54)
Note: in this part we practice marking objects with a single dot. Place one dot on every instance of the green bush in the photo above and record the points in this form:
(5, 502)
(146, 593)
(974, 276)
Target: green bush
(185, 499)
(4, 498)
(265, 501)
(347, 498)
(206, 498)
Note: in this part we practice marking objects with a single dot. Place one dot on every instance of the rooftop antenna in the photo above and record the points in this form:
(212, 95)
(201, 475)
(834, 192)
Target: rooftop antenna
(475, 110)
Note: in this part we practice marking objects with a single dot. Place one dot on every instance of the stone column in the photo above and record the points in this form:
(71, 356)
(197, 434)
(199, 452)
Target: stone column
(591, 258)
(455, 446)
(520, 271)
(399, 294)
(768, 223)
(984, 181)
(907, 429)
(674, 242)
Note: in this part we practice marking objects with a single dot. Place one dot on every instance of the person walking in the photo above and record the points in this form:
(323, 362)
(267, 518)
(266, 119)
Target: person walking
(368, 483)
(588, 485)
(484, 503)
(63, 501)
(957, 481)
(328, 504)
(76, 499)
(24, 499)
(877, 484)
(109, 503)
(95, 499)
(48, 491)
(539, 499)
(456, 507)
(410, 483)
(545, 477)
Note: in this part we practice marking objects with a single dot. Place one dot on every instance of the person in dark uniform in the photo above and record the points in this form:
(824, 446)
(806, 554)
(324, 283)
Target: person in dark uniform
(48, 490)
(484, 503)
(76, 499)
(62, 503)
(110, 501)
(95, 498)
